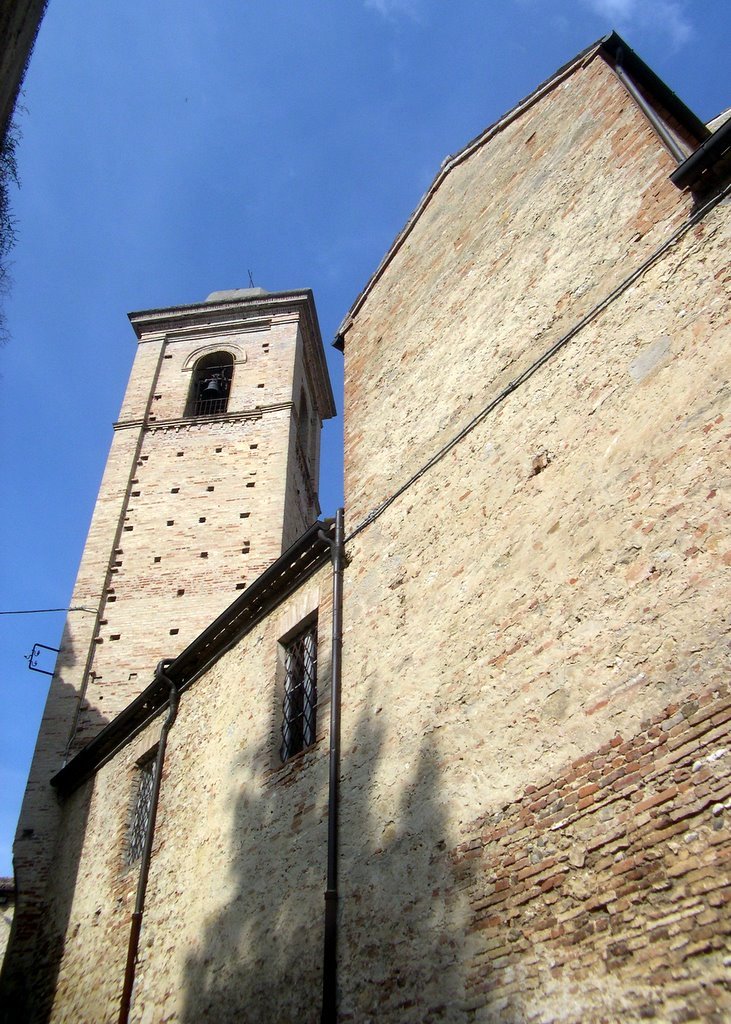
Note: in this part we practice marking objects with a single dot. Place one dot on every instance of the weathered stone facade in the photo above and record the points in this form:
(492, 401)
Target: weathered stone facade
(609, 886)
(552, 582)
(535, 769)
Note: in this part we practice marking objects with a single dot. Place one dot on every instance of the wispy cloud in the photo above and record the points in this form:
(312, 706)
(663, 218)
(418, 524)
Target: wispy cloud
(393, 9)
(667, 16)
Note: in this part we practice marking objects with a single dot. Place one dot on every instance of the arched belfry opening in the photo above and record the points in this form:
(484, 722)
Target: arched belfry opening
(211, 385)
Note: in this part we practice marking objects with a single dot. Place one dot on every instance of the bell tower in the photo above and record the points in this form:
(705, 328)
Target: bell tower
(212, 473)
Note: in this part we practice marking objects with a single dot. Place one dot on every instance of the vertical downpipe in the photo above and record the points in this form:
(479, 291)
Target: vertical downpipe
(674, 148)
(329, 962)
(136, 926)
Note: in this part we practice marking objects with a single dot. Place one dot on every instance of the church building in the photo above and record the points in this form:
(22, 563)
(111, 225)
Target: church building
(461, 753)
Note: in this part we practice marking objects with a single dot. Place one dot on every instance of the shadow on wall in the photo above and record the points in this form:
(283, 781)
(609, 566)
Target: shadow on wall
(260, 959)
(35, 948)
(404, 936)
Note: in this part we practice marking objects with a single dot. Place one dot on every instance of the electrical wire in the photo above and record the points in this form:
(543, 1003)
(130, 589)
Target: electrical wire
(518, 381)
(43, 611)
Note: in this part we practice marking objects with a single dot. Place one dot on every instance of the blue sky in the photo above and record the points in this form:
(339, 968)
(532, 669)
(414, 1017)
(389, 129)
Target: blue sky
(169, 148)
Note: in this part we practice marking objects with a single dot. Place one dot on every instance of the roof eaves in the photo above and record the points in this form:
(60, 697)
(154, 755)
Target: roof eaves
(290, 570)
(615, 47)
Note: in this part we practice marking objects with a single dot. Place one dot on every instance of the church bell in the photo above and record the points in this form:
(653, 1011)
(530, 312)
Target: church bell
(212, 388)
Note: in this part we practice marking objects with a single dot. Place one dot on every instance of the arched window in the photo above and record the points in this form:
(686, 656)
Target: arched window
(211, 384)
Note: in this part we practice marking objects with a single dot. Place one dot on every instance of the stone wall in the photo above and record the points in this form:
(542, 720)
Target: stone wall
(521, 239)
(556, 580)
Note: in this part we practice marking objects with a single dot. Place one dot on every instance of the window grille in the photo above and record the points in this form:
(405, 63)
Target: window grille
(142, 809)
(211, 385)
(300, 693)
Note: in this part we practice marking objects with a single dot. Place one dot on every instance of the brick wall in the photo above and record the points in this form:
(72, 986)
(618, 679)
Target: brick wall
(557, 578)
(604, 893)
(203, 510)
(232, 924)
(520, 240)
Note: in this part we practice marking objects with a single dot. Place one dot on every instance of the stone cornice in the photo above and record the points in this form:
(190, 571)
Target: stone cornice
(200, 314)
(198, 421)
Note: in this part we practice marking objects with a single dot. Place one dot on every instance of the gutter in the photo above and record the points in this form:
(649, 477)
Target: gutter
(615, 47)
(669, 141)
(716, 150)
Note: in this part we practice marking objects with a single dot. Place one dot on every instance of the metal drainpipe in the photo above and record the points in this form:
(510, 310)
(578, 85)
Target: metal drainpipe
(136, 926)
(329, 960)
(675, 150)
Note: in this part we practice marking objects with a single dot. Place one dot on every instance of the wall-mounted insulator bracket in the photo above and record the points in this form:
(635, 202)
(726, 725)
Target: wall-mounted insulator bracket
(35, 654)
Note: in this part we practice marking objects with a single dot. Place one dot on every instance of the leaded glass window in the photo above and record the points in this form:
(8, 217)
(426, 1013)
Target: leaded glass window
(142, 809)
(299, 718)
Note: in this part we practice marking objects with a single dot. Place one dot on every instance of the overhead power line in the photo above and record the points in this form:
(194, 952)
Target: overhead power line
(43, 611)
